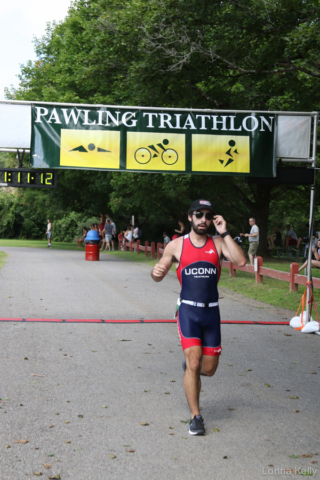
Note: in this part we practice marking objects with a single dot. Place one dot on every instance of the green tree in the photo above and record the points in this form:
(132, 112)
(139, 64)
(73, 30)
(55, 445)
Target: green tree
(238, 54)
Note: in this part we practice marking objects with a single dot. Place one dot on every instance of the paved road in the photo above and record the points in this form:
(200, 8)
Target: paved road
(102, 381)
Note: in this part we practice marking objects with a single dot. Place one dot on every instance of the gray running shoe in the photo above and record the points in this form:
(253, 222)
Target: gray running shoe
(184, 365)
(196, 426)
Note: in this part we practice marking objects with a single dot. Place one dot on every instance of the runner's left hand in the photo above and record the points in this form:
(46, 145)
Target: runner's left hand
(220, 223)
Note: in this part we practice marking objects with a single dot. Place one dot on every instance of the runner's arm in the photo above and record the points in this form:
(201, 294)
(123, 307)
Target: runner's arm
(232, 251)
(229, 248)
(160, 270)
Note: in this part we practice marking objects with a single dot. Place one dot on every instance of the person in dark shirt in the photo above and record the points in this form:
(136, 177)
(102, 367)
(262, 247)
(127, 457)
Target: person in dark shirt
(109, 233)
(314, 263)
(180, 232)
(275, 238)
(306, 238)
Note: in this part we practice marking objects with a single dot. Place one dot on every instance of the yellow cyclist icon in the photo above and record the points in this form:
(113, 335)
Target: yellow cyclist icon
(168, 155)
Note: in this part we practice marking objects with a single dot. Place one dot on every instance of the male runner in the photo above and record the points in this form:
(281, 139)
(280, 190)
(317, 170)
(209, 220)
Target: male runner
(197, 258)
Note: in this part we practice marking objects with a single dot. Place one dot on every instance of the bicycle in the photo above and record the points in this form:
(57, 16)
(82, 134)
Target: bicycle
(169, 156)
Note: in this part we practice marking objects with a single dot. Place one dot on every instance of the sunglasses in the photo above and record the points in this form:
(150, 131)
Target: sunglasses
(199, 215)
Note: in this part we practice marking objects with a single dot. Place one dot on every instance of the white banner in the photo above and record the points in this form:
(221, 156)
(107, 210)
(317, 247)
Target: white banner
(15, 126)
(293, 137)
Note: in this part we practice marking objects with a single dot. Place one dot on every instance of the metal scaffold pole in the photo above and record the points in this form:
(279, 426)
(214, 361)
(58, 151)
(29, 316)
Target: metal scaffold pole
(312, 195)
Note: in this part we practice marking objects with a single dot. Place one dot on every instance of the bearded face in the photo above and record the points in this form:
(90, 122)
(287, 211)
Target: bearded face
(201, 228)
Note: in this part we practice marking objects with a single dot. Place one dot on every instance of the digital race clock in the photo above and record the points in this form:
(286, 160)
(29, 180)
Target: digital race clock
(21, 177)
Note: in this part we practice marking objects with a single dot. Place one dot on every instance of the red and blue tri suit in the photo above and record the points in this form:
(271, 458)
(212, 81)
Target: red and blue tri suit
(198, 315)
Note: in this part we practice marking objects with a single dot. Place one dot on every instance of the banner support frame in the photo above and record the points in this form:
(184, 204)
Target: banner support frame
(138, 107)
(312, 197)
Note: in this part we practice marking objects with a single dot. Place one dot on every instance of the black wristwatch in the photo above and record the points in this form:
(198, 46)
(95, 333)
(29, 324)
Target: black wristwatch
(222, 235)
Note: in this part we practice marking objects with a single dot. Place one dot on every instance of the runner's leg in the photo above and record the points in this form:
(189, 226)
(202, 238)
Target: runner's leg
(191, 381)
(194, 324)
(209, 365)
(197, 364)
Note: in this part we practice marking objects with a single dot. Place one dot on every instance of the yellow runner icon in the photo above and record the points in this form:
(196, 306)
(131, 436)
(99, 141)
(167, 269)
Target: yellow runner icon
(221, 153)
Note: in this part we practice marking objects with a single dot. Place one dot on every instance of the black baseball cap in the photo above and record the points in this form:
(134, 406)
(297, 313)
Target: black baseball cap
(199, 204)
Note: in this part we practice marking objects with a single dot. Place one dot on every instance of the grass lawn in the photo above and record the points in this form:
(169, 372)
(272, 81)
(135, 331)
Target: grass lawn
(37, 244)
(284, 265)
(274, 292)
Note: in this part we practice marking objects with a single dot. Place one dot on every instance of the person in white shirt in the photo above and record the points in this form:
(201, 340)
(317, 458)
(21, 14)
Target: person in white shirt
(49, 232)
(166, 239)
(253, 239)
(128, 235)
(136, 233)
(290, 237)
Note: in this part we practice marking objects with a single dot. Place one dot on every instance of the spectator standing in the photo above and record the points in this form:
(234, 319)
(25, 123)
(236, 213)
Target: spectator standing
(166, 239)
(101, 224)
(290, 237)
(120, 240)
(114, 237)
(253, 239)
(275, 238)
(136, 233)
(128, 234)
(49, 232)
(180, 231)
(108, 235)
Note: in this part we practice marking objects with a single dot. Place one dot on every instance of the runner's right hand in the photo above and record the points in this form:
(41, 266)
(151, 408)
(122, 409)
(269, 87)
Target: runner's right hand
(159, 270)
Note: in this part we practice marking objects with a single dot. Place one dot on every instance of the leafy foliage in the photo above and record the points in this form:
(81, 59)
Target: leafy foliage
(64, 229)
(251, 54)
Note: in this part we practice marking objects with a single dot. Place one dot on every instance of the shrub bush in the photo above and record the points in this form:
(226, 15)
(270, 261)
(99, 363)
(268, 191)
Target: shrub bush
(64, 229)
